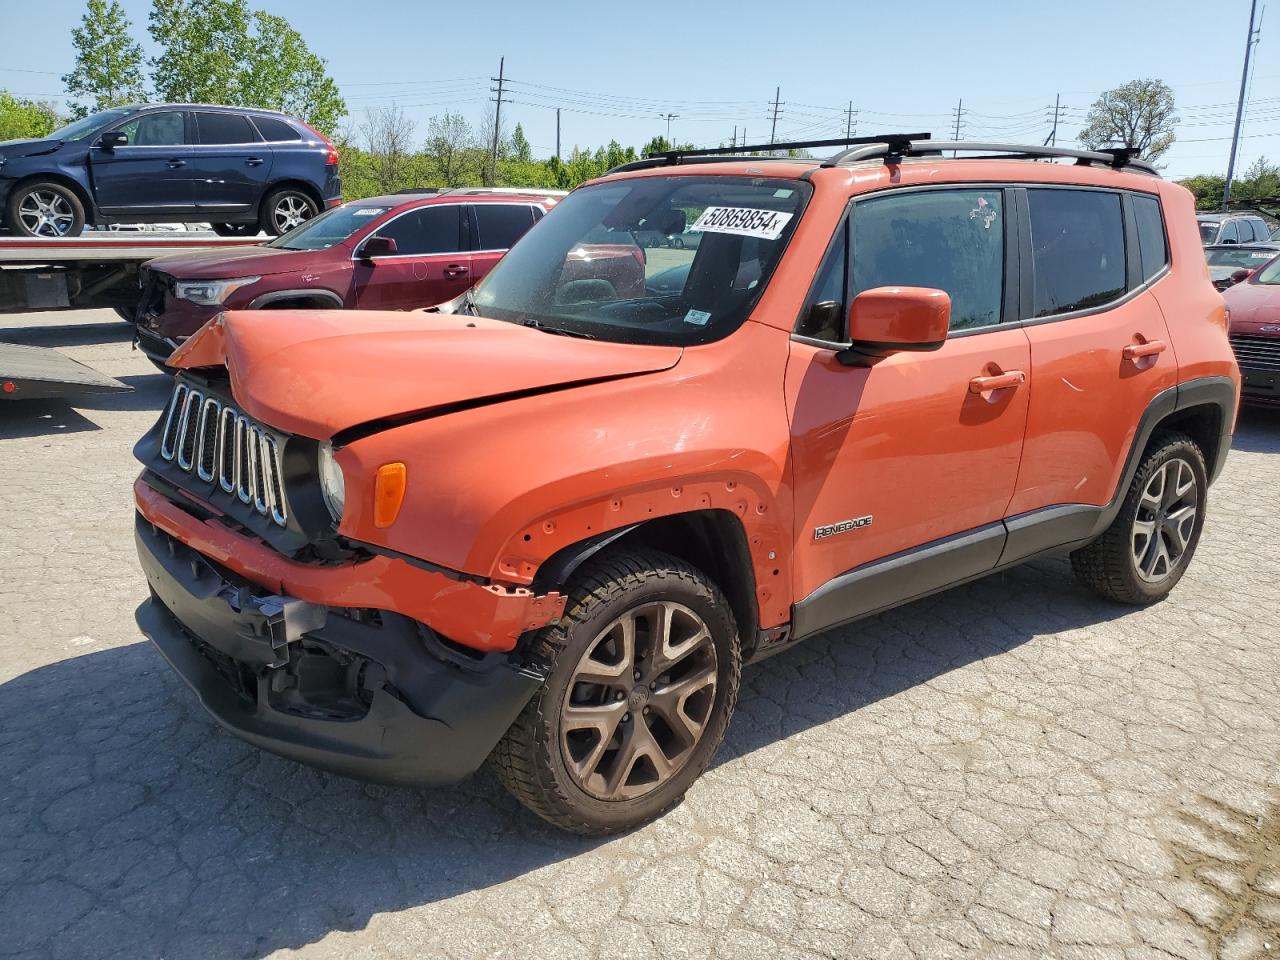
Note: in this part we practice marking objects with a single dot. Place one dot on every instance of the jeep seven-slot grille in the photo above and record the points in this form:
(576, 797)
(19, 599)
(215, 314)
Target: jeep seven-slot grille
(219, 444)
(1256, 353)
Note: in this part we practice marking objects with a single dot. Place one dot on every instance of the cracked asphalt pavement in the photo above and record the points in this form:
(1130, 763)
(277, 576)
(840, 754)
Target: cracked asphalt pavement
(1012, 769)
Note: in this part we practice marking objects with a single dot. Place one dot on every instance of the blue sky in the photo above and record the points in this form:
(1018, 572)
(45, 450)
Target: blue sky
(614, 67)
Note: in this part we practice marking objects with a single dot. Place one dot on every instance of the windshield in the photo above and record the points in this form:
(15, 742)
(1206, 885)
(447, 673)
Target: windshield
(332, 226)
(1208, 230)
(1249, 257)
(90, 124)
(1269, 274)
(658, 260)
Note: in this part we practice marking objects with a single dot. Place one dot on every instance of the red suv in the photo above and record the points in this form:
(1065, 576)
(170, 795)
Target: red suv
(385, 253)
(549, 525)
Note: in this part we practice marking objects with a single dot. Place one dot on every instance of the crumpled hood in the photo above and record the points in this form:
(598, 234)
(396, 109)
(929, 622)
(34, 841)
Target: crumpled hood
(1252, 304)
(12, 149)
(226, 262)
(319, 372)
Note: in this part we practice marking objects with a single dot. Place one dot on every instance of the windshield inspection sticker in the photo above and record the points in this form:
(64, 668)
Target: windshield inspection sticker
(698, 317)
(743, 221)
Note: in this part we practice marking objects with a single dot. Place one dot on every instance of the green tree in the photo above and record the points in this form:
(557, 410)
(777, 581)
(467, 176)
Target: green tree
(108, 70)
(455, 156)
(1260, 182)
(220, 51)
(520, 150)
(25, 119)
(1207, 189)
(1139, 114)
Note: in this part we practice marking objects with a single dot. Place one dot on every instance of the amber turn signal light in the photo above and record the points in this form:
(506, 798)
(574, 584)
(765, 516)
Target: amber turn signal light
(388, 493)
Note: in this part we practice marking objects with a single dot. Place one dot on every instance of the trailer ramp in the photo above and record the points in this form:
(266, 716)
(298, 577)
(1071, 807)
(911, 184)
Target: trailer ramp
(42, 373)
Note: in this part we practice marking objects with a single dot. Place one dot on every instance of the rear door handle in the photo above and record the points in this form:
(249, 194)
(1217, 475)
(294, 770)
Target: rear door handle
(455, 270)
(1002, 381)
(175, 164)
(1136, 351)
(254, 161)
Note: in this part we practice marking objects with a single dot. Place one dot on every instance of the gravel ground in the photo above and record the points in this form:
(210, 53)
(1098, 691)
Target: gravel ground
(1012, 769)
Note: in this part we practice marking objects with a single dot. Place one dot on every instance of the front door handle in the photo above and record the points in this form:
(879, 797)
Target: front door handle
(1002, 381)
(1136, 351)
(254, 161)
(455, 270)
(175, 164)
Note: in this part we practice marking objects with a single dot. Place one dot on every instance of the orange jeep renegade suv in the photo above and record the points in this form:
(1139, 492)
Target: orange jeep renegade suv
(548, 524)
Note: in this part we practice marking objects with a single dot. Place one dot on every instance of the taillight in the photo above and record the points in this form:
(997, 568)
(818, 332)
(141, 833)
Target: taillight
(332, 159)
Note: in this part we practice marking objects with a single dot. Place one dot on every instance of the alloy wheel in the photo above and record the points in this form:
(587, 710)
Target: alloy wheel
(639, 701)
(1165, 521)
(290, 211)
(44, 213)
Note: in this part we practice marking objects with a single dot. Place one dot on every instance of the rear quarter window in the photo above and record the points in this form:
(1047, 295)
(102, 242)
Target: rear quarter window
(275, 131)
(1152, 246)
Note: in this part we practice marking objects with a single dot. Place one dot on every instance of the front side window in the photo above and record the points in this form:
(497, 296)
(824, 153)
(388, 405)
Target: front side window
(951, 240)
(164, 129)
(425, 230)
(500, 225)
(1152, 246)
(1229, 233)
(217, 128)
(1077, 249)
(584, 271)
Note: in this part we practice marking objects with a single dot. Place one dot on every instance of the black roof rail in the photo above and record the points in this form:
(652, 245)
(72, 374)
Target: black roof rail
(893, 150)
(671, 158)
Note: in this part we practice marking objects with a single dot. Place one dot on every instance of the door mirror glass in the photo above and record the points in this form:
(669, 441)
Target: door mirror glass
(376, 247)
(885, 320)
(112, 139)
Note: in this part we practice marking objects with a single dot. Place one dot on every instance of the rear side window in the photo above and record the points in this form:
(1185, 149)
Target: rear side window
(275, 131)
(950, 240)
(425, 230)
(1077, 249)
(215, 128)
(1151, 241)
(500, 225)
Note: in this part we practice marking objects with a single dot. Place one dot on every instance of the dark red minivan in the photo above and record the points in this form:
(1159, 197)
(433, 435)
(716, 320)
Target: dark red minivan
(398, 252)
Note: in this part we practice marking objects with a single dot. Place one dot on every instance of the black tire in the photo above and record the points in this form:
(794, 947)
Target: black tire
(1110, 564)
(530, 759)
(235, 229)
(271, 220)
(60, 200)
(124, 313)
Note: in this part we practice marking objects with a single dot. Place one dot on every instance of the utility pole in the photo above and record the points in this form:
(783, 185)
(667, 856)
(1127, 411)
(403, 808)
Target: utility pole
(1250, 39)
(735, 136)
(669, 117)
(557, 133)
(850, 120)
(500, 80)
(959, 113)
(1057, 110)
(777, 108)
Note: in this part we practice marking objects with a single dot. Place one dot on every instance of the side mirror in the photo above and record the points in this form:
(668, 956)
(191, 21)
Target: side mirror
(886, 320)
(1240, 275)
(112, 139)
(376, 247)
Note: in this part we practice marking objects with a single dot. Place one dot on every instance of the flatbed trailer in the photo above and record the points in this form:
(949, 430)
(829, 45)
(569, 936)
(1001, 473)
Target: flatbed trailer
(42, 373)
(86, 272)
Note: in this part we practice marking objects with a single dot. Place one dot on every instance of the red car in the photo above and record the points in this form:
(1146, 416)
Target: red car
(397, 252)
(1255, 331)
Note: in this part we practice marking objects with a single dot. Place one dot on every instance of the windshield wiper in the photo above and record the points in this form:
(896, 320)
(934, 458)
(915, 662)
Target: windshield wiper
(558, 331)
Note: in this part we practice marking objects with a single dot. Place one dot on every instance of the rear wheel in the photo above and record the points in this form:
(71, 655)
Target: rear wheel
(285, 209)
(644, 672)
(45, 209)
(235, 229)
(1148, 546)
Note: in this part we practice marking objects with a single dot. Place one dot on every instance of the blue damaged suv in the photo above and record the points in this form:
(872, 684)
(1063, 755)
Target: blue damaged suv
(243, 170)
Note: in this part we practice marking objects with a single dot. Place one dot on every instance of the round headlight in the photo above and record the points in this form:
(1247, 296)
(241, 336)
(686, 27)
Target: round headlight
(332, 483)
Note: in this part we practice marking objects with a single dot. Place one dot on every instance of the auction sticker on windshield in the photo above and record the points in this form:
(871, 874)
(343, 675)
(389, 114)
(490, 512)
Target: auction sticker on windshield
(743, 221)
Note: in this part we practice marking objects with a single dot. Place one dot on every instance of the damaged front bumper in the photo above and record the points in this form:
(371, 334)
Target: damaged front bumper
(369, 694)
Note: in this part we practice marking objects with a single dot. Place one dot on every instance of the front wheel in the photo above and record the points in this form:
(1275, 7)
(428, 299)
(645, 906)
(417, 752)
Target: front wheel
(1149, 544)
(644, 672)
(45, 210)
(285, 209)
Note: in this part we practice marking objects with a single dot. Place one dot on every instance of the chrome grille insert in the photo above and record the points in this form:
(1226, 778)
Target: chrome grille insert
(222, 446)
